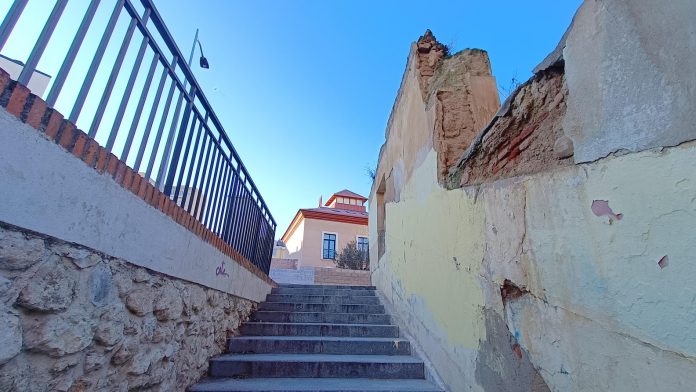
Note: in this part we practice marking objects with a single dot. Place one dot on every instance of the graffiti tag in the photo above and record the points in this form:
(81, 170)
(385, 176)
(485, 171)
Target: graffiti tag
(220, 270)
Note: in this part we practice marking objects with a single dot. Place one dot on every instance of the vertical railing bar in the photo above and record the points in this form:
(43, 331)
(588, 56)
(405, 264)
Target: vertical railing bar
(247, 220)
(72, 53)
(198, 169)
(150, 121)
(220, 196)
(10, 20)
(255, 236)
(204, 195)
(41, 42)
(215, 186)
(238, 216)
(139, 108)
(184, 161)
(98, 55)
(210, 186)
(224, 170)
(181, 134)
(160, 129)
(166, 155)
(126, 95)
(227, 231)
(190, 171)
(220, 213)
(224, 215)
(99, 114)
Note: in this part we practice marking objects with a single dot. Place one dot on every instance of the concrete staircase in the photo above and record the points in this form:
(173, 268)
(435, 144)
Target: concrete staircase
(318, 338)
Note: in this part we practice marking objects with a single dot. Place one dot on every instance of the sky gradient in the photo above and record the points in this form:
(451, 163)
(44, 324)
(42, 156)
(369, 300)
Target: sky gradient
(305, 88)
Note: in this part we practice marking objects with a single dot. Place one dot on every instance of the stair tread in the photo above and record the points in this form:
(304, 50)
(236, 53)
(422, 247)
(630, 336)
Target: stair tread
(303, 312)
(322, 338)
(313, 384)
(319, 358)
(320, 303)
(315, 324)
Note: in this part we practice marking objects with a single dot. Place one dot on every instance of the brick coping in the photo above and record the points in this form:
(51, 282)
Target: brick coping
(30, 109)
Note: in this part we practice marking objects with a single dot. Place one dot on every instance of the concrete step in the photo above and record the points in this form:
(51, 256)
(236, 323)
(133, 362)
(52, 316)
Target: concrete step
(325, 286)
(312, 385)
(316, 329)
(324, 299)
(319, 290)
(328, 308)
(319, 317)
(317, 365)
(318, 345)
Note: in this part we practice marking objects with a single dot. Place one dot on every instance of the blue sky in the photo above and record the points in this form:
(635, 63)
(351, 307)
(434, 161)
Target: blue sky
(305, 88)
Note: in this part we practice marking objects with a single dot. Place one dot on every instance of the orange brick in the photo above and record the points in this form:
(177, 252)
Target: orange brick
(102, 159)
(36, 112)
(55, 121)
(4, 80)
(18, 99)
(149, 193)
(90, 155)
(68, 135)
(127, 178)
(80, 143)
(112, 164)
(120, 172)
(135, 183)
(162, 204)
(143, 188)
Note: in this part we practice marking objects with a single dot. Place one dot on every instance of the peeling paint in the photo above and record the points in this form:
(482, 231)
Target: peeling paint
(664, 261)
(601, 208)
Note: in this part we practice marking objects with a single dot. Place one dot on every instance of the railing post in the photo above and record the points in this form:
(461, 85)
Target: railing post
(174, 162)
(10, 20)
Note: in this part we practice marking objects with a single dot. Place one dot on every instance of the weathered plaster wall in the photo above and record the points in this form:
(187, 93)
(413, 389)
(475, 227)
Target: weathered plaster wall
(611, 112)
(560, 272)
(48, 190)
(74, 319)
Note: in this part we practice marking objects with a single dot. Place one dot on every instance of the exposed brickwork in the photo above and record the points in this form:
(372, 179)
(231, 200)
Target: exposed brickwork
(341, 276)
(32, 110)
(521, 140)
(284, 263)
(430, 52)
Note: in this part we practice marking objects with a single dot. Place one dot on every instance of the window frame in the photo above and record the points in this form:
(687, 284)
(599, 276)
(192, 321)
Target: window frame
(323, 233)
(357, 241)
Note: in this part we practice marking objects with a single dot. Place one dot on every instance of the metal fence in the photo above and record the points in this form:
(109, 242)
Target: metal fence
(155, 118)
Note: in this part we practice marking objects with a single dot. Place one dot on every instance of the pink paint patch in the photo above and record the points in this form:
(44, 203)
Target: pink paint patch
(664, 261)
(601, 208)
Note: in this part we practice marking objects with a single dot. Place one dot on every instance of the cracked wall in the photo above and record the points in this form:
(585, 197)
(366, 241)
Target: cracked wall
(567, 268)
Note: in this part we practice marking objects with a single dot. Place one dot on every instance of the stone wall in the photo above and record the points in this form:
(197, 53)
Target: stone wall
(556, 253)
(74, 319)
(58, 181)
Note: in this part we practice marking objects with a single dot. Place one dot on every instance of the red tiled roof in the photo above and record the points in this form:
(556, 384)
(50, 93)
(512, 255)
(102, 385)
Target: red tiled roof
(345, 193)
(330, 214)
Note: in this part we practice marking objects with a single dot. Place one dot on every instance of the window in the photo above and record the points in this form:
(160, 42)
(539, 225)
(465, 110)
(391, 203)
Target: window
(329, 247)
(363, 244)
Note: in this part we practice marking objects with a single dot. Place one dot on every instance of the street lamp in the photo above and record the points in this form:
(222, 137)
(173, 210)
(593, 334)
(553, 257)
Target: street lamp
(203, 61)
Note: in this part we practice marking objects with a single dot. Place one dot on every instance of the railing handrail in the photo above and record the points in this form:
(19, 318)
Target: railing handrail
(206, 171)
(188, 73)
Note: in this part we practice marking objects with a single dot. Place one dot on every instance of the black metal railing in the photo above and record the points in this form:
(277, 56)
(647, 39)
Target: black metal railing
(184, 152)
